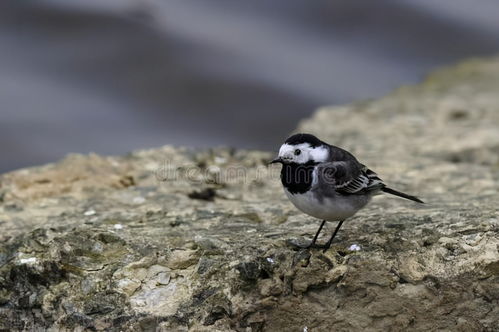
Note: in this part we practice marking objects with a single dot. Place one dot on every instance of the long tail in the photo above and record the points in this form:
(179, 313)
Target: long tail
(400, 194)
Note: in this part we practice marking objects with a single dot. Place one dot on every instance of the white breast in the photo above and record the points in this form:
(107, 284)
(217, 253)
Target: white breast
(334, 208)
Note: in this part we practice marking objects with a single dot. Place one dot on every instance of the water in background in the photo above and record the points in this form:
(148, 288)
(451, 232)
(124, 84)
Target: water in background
(110, 76)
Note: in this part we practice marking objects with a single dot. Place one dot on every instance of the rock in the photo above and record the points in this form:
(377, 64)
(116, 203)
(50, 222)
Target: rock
(176, 239)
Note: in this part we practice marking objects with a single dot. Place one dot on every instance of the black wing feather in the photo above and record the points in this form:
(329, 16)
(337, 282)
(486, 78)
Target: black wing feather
(349, 177)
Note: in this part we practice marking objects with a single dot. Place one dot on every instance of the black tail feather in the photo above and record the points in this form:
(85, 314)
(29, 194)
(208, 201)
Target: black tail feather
(400, 194)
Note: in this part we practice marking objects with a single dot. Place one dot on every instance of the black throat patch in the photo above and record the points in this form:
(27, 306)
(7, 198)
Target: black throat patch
(297, 178)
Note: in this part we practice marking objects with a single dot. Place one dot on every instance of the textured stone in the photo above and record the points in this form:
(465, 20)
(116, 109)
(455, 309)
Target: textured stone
(175, 239)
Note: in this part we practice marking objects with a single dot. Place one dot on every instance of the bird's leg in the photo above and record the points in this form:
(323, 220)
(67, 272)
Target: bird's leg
(328, 244)
(312, 244)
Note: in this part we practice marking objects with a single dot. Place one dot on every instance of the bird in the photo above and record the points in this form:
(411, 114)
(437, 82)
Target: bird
(327, 182)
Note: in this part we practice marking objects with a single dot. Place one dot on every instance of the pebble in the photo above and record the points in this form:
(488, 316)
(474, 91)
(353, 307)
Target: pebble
(354, 247)
(89, 213)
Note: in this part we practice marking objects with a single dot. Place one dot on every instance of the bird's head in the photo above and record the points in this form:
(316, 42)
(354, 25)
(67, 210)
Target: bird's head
(302, 149)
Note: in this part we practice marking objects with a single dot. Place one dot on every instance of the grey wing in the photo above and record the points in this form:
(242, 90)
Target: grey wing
(349, 177)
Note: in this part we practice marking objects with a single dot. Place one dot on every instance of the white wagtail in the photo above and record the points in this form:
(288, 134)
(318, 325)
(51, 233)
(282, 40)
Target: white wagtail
(327, 182)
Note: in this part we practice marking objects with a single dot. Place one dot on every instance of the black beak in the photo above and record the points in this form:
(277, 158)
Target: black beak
(276, 160)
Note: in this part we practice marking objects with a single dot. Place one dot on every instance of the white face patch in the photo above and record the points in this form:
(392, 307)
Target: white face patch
(319, 154)
(303, 153)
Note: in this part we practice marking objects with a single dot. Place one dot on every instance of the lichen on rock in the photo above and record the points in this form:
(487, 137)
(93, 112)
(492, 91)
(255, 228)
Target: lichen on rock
(176, 239)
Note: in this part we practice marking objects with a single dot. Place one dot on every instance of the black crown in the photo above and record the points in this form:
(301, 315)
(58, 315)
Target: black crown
(304, 138)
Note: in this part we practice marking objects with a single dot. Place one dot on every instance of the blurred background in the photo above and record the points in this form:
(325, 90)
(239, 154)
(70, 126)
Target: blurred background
(109, 76)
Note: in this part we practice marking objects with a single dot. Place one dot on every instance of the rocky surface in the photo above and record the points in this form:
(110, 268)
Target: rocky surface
(175, 239)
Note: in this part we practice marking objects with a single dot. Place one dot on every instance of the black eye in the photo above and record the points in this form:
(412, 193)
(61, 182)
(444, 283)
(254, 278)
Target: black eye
(297, 152)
